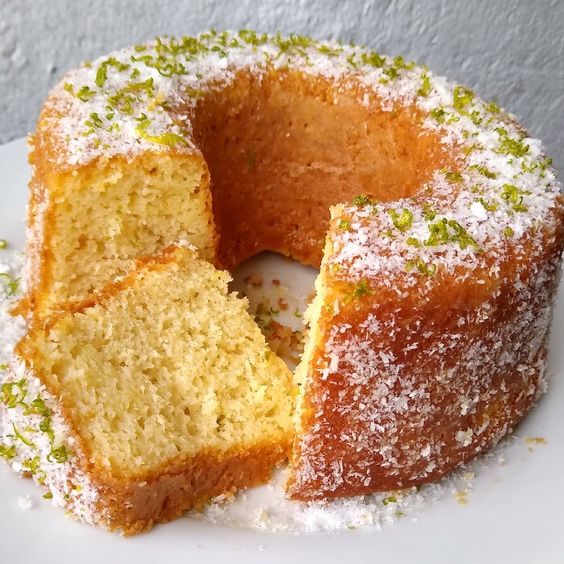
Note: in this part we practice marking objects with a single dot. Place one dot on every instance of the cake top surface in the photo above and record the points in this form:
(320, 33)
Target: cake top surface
(136, 99)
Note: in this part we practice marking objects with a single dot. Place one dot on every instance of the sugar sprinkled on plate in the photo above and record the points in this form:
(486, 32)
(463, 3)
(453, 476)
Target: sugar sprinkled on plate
(25, 502)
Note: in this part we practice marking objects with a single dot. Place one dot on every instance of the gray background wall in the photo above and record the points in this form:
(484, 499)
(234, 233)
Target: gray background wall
(508, 50)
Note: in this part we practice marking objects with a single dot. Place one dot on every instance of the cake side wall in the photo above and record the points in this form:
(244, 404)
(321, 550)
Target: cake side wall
(400, 394)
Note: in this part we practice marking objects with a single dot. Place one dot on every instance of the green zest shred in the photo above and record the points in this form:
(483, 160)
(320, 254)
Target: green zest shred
(124, 98)
(32, 464)
(363, 200)
(46, 427)
(439, 234)
(514, 147)
(420, 266)
(13, 393)
(462, 237)
(475, 117)
(351, 61)
(85, 94)
(493, 108)
(429, 213)
(360, 290)
(453, 176)
(468, 149)
(295, 44)
(439, 115)
(169, 139)
(252, 37)
(165, 62)
(425, 87)
(373, 59)
(7, 452)
(59, 454)
(95, 121)
(445, 231)
(329, 51)
(514, 196)
(545, 163)
(21, 437)
(11, 284)
(101, 75)
(488, 206)
(535, 165)
(402, 221)
(483, 170)
(102, 72)
(462, 96)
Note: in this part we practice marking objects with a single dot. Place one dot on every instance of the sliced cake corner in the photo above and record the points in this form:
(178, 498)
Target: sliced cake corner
(147, 399)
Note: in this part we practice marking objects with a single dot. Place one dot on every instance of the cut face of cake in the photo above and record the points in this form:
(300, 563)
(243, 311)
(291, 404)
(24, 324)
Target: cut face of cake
(95, 222)
(149, 398)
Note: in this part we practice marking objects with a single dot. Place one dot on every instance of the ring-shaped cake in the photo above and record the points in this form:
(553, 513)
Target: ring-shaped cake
(439, 260)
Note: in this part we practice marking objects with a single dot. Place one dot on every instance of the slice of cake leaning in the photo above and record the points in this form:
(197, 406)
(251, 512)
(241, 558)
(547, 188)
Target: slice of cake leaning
(148, 399)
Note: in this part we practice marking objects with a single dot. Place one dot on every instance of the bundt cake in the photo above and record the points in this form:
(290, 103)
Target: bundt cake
(149, 398)
(428, 332)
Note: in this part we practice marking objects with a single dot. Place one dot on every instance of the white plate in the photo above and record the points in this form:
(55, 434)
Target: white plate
(514, 513)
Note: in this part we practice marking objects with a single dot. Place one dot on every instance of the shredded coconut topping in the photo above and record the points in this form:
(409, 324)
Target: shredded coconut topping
(140, 98)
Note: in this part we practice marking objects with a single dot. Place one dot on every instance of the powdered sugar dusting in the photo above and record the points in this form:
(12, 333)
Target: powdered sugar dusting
(25, 502)
(402, 414)
(266, 508)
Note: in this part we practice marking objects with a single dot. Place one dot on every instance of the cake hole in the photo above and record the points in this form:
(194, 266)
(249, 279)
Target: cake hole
(344, 149)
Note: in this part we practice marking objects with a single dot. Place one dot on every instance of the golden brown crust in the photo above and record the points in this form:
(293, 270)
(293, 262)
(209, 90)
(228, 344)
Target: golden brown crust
(137, 506)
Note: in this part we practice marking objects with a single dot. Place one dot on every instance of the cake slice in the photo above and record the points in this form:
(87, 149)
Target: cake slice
(147, 399)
